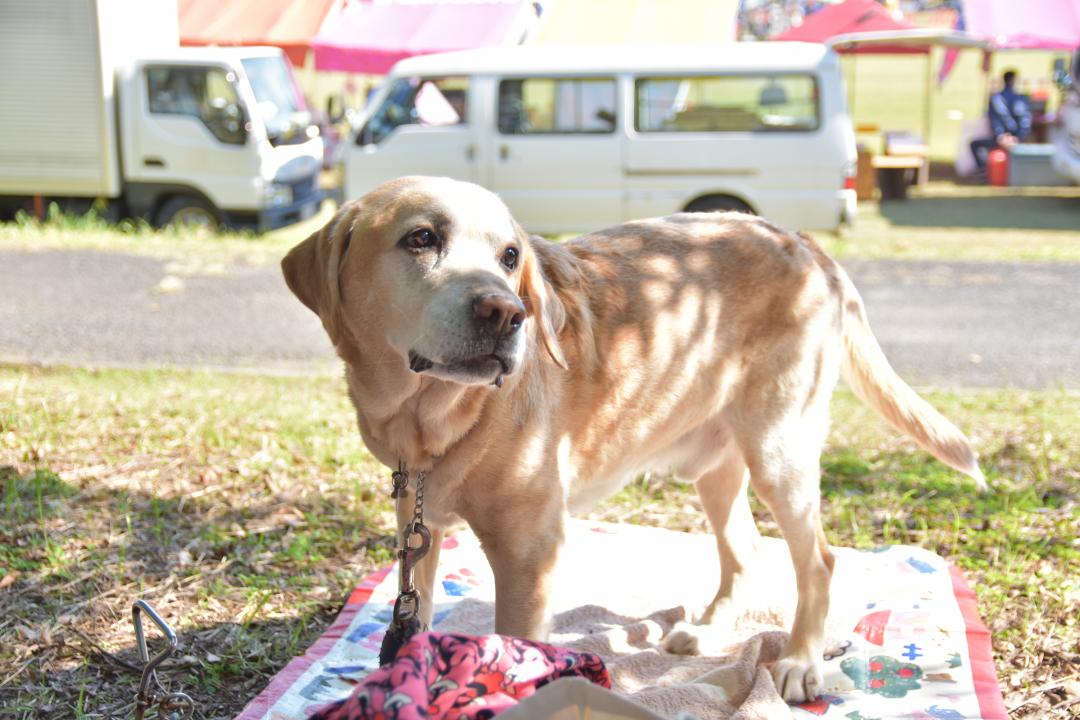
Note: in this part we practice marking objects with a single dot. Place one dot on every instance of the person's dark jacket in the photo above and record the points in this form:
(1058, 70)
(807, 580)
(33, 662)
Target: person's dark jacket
(1009, 113)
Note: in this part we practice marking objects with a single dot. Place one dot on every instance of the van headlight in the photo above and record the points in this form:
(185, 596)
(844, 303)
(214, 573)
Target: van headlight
(274, 194)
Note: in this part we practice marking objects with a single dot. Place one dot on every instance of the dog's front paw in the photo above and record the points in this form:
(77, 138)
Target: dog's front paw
(797, 679)
(684, 639)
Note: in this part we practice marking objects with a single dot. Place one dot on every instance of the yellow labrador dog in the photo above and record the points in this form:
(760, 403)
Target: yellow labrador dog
(529, 380)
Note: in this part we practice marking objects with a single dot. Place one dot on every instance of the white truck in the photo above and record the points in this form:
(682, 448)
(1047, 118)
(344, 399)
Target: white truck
(102, 107)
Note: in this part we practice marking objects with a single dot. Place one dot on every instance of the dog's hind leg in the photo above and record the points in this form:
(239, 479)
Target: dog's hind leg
(785, 474)
(723, 495)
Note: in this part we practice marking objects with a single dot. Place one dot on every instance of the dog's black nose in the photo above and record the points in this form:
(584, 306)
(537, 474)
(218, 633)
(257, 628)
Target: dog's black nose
(499, 313)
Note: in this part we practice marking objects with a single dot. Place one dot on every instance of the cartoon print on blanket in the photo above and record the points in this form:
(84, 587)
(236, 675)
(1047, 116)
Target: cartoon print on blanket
(461, 676)
(903, 638)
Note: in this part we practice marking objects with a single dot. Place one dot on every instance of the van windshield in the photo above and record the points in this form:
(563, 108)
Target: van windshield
(280, 104)
(428, 102)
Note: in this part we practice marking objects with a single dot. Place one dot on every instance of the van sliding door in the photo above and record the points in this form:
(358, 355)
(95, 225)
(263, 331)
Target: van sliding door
(556, 153)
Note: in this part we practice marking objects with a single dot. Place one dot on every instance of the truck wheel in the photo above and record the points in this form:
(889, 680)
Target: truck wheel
(187, 212)
(719, 203)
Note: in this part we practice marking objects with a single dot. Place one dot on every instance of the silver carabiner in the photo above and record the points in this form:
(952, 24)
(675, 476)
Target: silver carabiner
(408, 556)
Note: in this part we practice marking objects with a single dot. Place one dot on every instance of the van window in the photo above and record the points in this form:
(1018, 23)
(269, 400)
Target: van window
(208, 94)
(530, 106)
(428, 102)
(728, 103)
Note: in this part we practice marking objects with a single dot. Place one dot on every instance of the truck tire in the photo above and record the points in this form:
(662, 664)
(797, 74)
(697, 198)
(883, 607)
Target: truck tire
(185, 211)
(719, 203)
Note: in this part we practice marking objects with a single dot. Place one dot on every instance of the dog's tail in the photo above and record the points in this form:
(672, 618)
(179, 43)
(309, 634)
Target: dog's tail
(874, 381)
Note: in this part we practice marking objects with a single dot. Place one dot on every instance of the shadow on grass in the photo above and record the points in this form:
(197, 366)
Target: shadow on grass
(1027, 212)
(96, 683)
(247, 586)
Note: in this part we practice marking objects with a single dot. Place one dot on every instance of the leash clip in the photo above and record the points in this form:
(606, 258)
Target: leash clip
(409, 556)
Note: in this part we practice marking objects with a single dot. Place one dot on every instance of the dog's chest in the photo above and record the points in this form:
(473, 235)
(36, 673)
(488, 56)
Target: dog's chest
(689, 457)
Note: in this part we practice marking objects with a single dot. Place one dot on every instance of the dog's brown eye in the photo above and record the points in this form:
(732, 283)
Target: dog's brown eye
(509, 258)
(421, 239)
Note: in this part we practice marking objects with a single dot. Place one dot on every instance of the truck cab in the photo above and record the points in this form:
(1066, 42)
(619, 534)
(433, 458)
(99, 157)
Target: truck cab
(217, 136)
(106, 110)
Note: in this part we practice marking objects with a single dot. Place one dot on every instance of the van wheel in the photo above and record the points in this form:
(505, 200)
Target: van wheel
(719, 203)
(187, 212)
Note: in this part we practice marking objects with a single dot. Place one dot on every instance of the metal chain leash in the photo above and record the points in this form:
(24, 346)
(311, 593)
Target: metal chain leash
(406, 617)
(418, 509)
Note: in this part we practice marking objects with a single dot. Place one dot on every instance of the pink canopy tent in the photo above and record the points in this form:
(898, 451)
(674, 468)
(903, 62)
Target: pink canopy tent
(1027, 25)
(1011, 25)
(850, 17)
(287, 24)
(867, 27)
(369, 37)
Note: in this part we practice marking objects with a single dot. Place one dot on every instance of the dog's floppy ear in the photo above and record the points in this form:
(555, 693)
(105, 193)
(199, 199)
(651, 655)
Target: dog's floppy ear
(311, 269)
(541, 302)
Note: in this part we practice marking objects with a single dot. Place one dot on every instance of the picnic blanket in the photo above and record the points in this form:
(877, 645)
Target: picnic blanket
(904, 639)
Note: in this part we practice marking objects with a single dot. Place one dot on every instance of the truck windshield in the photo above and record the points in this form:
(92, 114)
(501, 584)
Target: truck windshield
(280, 103)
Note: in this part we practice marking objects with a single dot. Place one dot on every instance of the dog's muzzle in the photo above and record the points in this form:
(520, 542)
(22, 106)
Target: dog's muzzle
(495, 317)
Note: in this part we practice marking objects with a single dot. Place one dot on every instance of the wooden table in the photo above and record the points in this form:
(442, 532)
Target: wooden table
(896, 173)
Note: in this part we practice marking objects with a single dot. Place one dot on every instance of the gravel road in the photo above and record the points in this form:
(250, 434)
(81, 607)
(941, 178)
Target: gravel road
(950, 324)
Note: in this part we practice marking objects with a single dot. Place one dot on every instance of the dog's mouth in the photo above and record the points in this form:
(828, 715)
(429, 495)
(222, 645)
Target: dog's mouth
(487, 368)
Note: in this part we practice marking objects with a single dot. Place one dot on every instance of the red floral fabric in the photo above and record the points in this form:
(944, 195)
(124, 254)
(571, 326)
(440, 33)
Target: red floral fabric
(443, 675)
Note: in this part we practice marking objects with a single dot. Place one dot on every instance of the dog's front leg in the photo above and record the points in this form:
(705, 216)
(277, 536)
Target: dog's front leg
(424, 571)
(523, 557)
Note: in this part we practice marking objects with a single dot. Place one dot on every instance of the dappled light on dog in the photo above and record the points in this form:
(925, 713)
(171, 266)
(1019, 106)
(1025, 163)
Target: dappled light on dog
(707, 343)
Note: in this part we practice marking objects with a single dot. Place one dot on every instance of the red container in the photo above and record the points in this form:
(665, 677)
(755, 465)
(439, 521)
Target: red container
(997, 167)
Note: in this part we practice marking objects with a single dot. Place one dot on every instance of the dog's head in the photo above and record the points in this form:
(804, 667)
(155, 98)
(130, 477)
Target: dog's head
(437, 271)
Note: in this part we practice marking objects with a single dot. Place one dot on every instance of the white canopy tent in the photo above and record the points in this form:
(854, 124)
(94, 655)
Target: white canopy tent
(919, 40)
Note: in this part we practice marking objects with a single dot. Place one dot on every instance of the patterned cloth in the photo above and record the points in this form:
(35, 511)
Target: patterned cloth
(442, 675)
(903, 635)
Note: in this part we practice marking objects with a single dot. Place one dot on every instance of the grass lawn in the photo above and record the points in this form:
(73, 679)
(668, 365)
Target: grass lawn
(946, 221)
(245, 508)
(192, 250)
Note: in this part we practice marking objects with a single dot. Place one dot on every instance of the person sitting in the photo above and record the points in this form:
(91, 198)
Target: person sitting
(1010, 120)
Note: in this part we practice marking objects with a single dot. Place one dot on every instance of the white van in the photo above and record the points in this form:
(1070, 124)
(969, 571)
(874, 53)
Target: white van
(576, 139)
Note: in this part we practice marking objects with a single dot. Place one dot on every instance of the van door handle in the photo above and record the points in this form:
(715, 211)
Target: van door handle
(470, 152)
(504, 152)
(153, 162)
